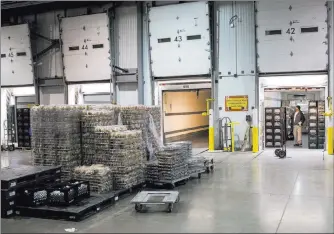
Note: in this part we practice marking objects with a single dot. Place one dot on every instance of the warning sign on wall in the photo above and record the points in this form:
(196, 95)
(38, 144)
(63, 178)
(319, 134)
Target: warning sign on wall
(236, 103)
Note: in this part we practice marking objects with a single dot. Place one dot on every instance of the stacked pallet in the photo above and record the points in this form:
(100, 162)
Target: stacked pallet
(152, 171)
(196, 164)
(56, 137)
(91, 119)
(321, 124)
(99, 177)
(186, 146)
(147, 120)
(172, 161)
(122, 150)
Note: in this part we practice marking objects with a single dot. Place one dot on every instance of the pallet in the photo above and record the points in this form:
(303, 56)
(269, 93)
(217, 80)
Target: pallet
(76, 212)
(168, 184)
(14, 178)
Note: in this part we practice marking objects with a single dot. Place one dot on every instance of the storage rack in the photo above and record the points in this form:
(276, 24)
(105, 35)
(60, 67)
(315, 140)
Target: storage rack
(321, 124)
(274, 127)
(312, 125)
(23, 127)
(316, 124)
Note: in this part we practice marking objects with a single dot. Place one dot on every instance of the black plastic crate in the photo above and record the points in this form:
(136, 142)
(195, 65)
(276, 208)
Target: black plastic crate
(312, 145)
(8, 203)
(269, 130)
(321, 146)
(8, 194)
(312, 104)
(269, 144)
(83, 188)
(321, 126)
(66, 193)
(313, 110)
(34, 196)
(61, 194)
(313, 124)
(269, 137)
(7, 213)
(321, 119)
(313, 117)
(312, 138)
(277, 144)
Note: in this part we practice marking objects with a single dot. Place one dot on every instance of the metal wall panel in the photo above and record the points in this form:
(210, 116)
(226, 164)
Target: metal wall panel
(52, 95)
(96, 98)
(180, 40)
(148, 84)
(227, 40)
(245, 27)
(236, 38)
(285, 43)
(127, 94)
(126, 37)
(86, 47)
(230, 86)
(50, 65)
(16, 57)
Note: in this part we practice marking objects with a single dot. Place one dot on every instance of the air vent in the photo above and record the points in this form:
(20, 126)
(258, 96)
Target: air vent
(273, 32)
(164, 40)
(194, 37)
(97, 46)
(71, 48)
(309, 29)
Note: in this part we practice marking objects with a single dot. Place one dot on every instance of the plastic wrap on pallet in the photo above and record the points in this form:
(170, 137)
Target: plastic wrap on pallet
(122, 150)
(146, 119)
(99, 176)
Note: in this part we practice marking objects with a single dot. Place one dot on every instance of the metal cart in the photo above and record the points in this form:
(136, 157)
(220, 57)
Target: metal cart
(151, 198)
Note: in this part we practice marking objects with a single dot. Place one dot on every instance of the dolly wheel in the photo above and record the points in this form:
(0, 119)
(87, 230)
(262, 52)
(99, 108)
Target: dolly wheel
(11, 148)
(170, 208)
(207, 170)
(211, 168)
(277, 152)
(138, 207)
(282, 154)
(199, 175)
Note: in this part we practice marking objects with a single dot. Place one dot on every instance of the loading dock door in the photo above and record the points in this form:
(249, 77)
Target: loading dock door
(183, 119)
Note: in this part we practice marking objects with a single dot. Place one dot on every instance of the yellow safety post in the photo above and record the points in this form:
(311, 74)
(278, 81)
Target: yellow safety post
(232, 124)
(255, 132)
(209, 112)
(330, 132)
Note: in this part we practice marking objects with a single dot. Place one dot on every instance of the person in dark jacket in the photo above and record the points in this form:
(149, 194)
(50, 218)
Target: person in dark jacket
(298, 120)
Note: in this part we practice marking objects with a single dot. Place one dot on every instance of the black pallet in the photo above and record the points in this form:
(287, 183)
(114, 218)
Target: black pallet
(13, 178)
(76, 212)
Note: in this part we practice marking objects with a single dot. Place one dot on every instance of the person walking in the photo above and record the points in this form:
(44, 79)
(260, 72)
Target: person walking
(298, 121)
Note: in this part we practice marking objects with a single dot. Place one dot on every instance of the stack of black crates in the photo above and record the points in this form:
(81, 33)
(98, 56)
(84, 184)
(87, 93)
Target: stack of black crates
(275, 126)
(23, 127)
(316, 125)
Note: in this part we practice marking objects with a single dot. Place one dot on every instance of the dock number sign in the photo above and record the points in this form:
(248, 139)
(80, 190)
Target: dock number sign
(236, 103)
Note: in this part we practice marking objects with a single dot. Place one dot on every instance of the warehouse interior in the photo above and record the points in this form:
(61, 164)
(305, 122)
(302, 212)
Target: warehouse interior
(289, 98)
(183, 119)
(166, 116)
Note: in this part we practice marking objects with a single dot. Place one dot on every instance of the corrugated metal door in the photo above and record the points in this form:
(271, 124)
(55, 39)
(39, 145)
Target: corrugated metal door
(291, 36)
(16, 57)
(180, 40)
(126, 36)
(86, 47)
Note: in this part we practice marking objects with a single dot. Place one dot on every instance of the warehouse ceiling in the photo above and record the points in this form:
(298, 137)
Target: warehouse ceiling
(19, 8)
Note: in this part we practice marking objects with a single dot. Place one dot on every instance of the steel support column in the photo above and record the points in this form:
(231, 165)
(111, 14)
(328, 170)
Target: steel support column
(140, 53)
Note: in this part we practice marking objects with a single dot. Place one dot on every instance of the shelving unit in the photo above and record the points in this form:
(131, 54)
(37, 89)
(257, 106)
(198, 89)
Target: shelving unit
(274, 116)
(23, 127)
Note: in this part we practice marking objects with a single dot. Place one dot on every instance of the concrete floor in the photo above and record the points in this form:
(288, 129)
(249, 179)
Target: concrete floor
(246, 194)
(199, 140)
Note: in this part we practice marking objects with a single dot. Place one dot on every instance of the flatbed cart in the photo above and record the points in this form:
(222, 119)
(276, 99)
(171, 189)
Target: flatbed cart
(153, 198)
